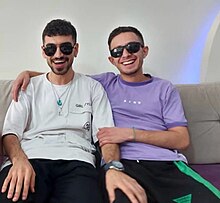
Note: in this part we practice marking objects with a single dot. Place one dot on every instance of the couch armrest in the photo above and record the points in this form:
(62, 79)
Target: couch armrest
(1, 151)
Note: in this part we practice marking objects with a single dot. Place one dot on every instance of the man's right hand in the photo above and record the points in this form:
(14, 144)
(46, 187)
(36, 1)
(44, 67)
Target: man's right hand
(119, 180)
(21, 176)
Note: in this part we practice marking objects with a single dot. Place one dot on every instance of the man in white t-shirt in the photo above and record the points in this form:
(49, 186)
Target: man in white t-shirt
(49, 135)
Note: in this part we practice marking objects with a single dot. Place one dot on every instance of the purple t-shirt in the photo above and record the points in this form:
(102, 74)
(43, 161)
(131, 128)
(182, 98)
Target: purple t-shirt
(153, 104)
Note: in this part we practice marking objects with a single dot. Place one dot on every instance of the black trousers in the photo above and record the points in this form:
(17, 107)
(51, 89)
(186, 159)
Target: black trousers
(60, 181)
(168, 182)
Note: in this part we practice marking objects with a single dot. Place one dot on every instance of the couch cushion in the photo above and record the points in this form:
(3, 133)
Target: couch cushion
(5, 99)
(210, 172)
(201, 104)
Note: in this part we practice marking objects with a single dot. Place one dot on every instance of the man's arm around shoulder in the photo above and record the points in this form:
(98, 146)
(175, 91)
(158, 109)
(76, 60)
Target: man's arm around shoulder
(21, 82)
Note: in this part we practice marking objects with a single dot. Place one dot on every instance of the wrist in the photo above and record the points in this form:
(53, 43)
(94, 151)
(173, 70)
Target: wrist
(116, 165)
(20, 156)
(132, 134)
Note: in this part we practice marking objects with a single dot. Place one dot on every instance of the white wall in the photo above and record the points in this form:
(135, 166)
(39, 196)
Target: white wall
(175, 30)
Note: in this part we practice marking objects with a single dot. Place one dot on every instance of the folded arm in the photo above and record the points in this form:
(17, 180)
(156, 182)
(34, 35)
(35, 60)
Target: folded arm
(173, 138)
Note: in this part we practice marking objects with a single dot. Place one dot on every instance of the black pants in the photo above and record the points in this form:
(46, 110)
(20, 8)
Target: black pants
(168, 182)
(60, 182)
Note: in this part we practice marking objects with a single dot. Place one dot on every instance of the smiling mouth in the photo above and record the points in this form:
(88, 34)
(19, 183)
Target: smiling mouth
(128, 62)
(60, 60)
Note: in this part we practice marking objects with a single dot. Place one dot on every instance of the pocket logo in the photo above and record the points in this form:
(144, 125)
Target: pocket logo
(86, 126)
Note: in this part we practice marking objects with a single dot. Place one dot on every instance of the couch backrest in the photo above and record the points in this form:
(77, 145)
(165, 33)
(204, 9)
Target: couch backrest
(5, 100)
(201, 104)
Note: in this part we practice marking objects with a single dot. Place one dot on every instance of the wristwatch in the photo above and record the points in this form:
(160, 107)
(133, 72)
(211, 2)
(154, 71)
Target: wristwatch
(117, 165)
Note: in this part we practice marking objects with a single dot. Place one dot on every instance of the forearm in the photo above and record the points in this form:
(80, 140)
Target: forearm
(33, 73)
(13, 148)
(176, 138)
(110, 152)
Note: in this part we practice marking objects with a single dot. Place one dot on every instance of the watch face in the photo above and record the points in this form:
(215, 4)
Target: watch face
(117, 164)
(114, 165)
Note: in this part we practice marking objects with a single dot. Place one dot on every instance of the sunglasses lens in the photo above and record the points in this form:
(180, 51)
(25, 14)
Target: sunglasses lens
(66, 48)
(117, 52)
(133, 47)
(50, 49)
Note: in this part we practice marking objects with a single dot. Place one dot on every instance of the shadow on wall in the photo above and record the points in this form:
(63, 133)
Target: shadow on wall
(211, 61)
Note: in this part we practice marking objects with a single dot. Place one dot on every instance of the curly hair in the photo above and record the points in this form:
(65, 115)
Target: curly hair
(59, 27)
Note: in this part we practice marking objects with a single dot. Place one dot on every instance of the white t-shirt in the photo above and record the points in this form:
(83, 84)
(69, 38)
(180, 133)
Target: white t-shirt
(44, 133)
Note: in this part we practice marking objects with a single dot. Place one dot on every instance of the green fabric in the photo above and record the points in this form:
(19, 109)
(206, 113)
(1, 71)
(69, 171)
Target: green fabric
(184, 199)
(188, 171)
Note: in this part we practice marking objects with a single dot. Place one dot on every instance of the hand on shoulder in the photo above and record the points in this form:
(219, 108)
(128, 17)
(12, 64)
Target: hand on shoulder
(21, 82)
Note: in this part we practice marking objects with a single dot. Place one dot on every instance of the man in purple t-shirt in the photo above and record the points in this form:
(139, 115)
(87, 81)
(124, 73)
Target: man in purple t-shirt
(150, 128)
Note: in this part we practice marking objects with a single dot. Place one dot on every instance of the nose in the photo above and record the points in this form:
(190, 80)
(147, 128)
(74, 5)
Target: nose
(125, 53)
(58, 53)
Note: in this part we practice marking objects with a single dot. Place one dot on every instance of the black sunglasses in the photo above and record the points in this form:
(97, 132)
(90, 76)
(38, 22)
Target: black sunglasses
(66, 48)
(131, 47)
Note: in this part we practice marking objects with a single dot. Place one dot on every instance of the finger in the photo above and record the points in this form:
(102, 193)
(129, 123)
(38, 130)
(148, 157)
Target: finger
(102, 142)
(136, 194)
(111, 195)
(131, 190)
(131, 196)
(100, 133)
(17, 189)
(141, 195)
(12, 187)
(14, 91)
(26, 187)
(102, 130)
(32, 183)
(24, 85)
(5, 184)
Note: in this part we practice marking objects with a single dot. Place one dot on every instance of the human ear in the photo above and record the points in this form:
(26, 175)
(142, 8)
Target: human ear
(76, 50)
(42, 52)
(145, 51)
(111, 59)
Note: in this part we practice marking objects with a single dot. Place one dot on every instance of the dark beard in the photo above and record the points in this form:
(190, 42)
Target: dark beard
(63, 71)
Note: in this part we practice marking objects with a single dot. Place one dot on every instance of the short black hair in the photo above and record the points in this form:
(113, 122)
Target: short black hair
(59, 27)
(123, 29)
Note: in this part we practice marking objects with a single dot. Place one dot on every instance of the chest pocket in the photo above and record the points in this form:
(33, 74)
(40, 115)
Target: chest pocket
(81, 117)
(79, 109)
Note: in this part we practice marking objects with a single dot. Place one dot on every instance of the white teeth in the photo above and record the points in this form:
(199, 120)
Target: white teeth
(128, 62)
(59, 61)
